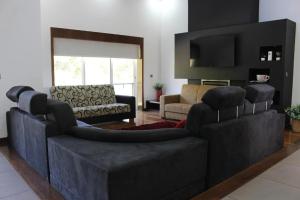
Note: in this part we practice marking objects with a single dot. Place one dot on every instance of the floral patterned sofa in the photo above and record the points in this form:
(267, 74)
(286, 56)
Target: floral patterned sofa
(95, 103)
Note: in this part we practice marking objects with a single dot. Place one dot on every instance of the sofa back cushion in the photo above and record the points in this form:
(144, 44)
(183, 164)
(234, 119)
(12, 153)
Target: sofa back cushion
(189, 94)
(225, 97)
(82, 96)
(100, 95)
(73, 95)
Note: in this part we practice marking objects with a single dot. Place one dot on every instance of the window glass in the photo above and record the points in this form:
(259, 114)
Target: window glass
(68, 70)
(123, 70)
(124, 89)
(97, 71)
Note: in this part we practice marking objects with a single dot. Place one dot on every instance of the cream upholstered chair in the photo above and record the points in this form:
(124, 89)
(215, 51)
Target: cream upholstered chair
(177, 106)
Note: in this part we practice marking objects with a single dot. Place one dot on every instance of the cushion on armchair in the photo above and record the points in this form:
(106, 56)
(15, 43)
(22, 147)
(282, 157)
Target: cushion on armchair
(99, 110)
(189, 94)
(178, 108)
(72, 95)
(100, 94)
(83, 96)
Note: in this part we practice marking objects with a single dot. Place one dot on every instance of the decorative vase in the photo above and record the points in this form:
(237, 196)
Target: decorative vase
(296, 125)
(158, 94)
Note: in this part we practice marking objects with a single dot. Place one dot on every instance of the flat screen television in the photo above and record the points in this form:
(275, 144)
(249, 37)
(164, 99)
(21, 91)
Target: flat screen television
(213, 51)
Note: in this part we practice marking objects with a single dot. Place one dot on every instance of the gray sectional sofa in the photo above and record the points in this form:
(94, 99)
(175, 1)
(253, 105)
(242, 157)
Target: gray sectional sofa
(224, 135)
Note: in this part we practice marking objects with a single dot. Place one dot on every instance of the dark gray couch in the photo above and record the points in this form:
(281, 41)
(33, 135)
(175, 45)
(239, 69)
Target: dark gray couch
(244, 132)
(224, 135)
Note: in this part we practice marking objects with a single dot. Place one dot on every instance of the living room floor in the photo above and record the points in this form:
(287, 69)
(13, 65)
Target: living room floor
(12, 186)
(275, 177)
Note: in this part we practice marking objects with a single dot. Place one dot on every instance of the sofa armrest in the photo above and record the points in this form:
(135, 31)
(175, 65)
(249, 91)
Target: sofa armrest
(104, 135)
(128, 100)
(167, 99)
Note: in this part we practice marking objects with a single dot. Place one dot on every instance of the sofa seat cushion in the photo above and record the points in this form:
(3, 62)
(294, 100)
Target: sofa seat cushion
(178, 108)
(117, 171)
(100, 110)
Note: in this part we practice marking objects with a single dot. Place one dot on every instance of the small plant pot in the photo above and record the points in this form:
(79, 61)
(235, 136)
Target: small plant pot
(158, 94)
(296, 125)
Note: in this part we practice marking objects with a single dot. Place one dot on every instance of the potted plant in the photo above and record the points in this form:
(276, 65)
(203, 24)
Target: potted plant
(158, 88)
(294, 113)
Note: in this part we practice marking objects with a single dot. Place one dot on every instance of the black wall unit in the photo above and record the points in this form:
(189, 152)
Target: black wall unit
(251, 42)
(204, 14)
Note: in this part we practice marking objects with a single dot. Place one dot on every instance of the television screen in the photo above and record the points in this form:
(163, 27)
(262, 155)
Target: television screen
(213, 51)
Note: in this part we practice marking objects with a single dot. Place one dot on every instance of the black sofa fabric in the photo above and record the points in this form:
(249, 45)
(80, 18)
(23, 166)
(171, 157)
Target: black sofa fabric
(28, 134)
(98, 134)
(243, 136)
(224, 97)
(14, 93)
(85, 169)
(222, 137)
(235, 144)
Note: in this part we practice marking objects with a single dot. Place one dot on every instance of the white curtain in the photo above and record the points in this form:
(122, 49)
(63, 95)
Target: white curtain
(87, 48)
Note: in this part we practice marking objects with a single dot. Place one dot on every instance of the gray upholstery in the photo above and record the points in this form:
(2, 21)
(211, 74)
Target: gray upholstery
(104, 135)
(259, 93)
(220, 139)
(62, 114)
(28, 135)
(83, 169)
(14, 93)
(224, 97)
(33, 102)
(236, 144)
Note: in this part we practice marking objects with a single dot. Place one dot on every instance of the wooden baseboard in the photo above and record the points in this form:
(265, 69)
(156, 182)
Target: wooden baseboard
(3, 141)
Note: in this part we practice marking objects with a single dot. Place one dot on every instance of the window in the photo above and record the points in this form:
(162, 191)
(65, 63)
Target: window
(97, 71)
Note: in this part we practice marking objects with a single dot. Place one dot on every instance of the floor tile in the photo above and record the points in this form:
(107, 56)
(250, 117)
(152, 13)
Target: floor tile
(226, 198)
(10, 177)
(16, 188)
(293, 159)
(12, 186)
(28, 195)
(260, 188)
(4, 167)
(284, 173)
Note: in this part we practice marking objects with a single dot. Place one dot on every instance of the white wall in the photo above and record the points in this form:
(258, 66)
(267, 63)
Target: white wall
(281, 9)
(20, 47)
(174, 20)
(127, 17)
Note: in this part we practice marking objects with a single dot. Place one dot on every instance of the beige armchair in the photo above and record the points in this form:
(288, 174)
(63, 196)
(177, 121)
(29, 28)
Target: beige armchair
(177, 106)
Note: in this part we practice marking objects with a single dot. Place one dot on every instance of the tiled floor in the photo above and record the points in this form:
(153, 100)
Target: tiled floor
(280, 182)
(12, 186)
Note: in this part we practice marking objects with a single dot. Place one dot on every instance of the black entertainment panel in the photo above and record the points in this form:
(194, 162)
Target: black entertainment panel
(213, 51)
(205, 14)
(265, 48)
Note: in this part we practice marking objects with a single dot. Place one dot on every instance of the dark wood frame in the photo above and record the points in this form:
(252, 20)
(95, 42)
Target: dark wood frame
(96, 36)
